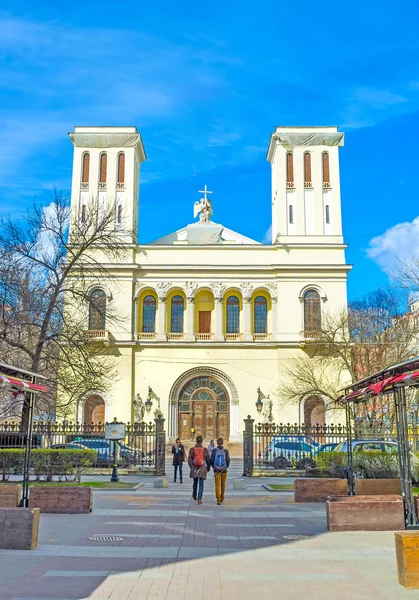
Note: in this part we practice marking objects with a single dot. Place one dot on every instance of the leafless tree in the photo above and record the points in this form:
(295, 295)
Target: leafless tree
(373, 333)
(48, 262)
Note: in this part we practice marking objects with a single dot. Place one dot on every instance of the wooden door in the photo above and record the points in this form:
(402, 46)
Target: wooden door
(223, 429)
(204, 419)
(204, 321)
(185, 424)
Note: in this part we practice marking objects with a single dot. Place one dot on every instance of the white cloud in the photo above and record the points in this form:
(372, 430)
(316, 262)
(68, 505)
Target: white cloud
(397, 244)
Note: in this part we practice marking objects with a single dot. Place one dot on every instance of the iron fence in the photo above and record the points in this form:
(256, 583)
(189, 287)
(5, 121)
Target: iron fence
(143, 447)
(287, 446)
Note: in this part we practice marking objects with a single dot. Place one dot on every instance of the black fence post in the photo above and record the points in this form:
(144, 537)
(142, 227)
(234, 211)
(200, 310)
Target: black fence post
(160, 446)
(28, 447)
(248, 447)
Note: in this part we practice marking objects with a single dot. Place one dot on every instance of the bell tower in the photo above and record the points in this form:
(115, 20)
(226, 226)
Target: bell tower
(106, 173)
(305, 184)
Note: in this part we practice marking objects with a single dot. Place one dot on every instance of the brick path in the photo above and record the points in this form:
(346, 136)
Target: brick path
(176, 550)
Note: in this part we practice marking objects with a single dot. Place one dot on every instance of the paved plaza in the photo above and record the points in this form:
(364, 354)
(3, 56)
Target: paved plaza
(249, 548)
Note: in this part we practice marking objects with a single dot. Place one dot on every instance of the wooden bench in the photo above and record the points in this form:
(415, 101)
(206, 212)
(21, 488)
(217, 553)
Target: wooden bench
(407, 555)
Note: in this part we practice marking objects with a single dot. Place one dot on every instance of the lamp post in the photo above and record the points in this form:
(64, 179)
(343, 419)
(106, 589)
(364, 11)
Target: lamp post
(259, 403)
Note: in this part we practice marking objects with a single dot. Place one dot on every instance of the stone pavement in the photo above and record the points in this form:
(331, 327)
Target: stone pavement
(247, 549)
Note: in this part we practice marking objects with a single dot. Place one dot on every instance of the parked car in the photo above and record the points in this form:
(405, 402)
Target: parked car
(368, 445)
(69, 446)
(282, 451)
(330, 447)
(104, 449)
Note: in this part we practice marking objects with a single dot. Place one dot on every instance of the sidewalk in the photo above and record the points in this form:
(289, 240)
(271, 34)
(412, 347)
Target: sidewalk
(246, 549)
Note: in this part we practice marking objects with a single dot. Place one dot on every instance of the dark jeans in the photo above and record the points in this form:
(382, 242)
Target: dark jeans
(180, 471)
(198, 492)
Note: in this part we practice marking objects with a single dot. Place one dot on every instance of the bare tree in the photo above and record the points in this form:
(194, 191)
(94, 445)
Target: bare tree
(48, 263)
(373, 333)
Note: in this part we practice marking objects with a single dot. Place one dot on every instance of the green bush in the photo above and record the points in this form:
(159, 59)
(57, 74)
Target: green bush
(11, 461)
(46, 463)
(332, 464)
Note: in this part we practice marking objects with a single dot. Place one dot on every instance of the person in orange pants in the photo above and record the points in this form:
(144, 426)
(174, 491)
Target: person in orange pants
(220, 461)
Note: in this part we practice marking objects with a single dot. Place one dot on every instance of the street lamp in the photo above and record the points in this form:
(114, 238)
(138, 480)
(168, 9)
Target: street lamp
(259, 403)
(149, 401)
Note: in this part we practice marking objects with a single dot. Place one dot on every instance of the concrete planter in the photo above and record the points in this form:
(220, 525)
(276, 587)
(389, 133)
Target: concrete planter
(61, 499)
(377, 487)
(365, 513)
(407, 555)
(19, 528)
(10, 495)
(313, 489)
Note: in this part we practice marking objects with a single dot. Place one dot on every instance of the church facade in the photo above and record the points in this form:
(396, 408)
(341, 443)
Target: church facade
(208, 316)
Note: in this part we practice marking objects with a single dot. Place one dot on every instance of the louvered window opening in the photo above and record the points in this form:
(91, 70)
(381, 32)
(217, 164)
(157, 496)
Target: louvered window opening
(85, 168)
(307, 167)
(121, 168)
(177, 310)
(326, 168)
(119, 215)
(233, 315)
(312, 311)
(327, 211)
(149, 314)
(97, 310)
(290, 167)
(261, 314)
(103, 167)
(83, 213)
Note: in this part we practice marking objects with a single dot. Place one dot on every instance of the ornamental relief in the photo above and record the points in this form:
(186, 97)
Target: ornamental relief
(218, 288)
(247, 291)
(162, 288)
(190, 288)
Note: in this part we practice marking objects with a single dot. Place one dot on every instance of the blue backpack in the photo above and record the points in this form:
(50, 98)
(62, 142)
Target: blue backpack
(220, 462)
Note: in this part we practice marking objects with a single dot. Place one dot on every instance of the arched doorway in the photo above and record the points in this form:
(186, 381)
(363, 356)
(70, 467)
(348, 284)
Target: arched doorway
(94, 409)
(203, 409)
(314, 411)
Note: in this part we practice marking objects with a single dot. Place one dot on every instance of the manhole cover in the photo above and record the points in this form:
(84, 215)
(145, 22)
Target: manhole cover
(105, 538)
(296, 537)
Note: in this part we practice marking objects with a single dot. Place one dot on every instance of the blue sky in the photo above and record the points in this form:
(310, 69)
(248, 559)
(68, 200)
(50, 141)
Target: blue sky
(206, 83)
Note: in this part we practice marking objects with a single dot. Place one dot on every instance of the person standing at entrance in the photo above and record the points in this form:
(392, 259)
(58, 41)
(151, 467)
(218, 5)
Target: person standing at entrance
(200, 463)
(211, 447)
(178, 451)
(220, 461)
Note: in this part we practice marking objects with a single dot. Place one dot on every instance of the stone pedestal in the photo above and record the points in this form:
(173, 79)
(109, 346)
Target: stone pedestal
(204, 233)
(365, 513)
(61, 500)
(10, 495)
(313, 489)
(239, 484)
(407, 556)
(19, 528)
(163, 482)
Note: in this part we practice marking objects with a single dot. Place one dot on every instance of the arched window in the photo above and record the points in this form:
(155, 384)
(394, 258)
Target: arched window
(326, 169)
(327, 214)
(291, 213)
(233, 315)
(177, 308)
(261, 314)
(119, 215)
(97, 310)
(307, 168)
(85, 168)
(103, 167)
(290, 169)
(149, 314)
(121, 168)
(312, 311)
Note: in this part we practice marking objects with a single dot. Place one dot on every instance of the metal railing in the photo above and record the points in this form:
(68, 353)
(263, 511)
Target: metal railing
(146, 335)
(143, 447)
(287, 446)
(173, 337)
(257, 337)
(204, 337)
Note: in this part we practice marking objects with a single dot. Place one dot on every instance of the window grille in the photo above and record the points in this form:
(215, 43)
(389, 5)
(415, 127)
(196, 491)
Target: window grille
(97, 310)
(149, 314)
(261, 313)
(177, 310)
(312, 311)
(233, 315)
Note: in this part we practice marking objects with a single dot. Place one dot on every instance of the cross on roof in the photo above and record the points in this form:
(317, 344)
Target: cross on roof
(205, 191)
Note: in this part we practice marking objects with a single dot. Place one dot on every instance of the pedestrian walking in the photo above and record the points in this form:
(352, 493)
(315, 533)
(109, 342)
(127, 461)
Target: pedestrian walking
(211, 447)
(220, 461)
(178, 451)
(200, 463)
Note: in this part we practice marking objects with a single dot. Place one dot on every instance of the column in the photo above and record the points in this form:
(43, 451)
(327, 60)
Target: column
(219, 334)
(275, 332)
(190, 313)
(247, 329)
(161, 318)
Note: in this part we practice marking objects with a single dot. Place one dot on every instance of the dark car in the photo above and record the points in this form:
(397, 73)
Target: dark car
(330, 447)
(283, 451)
(104, 449)
(69, 446)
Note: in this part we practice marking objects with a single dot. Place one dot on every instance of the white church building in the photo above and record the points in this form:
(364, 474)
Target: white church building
(207, 315)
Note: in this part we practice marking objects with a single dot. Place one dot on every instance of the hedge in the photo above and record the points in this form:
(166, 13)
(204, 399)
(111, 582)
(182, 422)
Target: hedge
(47, 463)
(370, 465)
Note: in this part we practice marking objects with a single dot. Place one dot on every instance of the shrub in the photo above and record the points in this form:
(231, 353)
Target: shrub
(332, 464)
(11, 460)
(65, 462)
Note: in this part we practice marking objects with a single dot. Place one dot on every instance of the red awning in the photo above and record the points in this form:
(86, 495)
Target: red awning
(408, 379)
(21, 385)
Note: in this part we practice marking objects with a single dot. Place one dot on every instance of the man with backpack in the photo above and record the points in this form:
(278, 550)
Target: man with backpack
(200, 463)
(220, 461)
